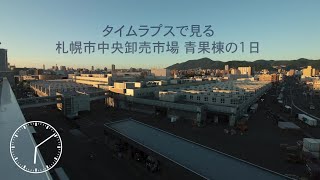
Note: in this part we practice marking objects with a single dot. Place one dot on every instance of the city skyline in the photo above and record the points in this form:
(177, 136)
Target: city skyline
(285, 31)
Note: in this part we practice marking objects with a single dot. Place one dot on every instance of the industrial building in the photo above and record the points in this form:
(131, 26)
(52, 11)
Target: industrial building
(222, 101)
(92, 79)
(70, 103)
(102, 80)
(50, 88)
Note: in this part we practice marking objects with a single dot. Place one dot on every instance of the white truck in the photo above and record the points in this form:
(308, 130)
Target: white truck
(307, 119)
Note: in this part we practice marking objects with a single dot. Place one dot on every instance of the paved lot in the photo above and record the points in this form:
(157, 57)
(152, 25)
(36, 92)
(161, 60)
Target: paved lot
(76, 159)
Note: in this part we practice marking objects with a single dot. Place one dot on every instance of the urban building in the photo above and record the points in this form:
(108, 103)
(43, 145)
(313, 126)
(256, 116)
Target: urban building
(113, 68)
(269, 77)
(63, 68)
(49, 77)
(5, 71)
(245, 70)
(72, 102)
(235, 71)
(221, 101)
(3, 60)
(50, 88)
(161, 73)
(264, 71)
(92, 79)
(316, 87)
(226, 67)
(291, 72)
(38, 72)
(309, 71)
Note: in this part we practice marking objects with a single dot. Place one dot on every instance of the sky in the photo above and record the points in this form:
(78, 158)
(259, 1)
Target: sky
(30, 30)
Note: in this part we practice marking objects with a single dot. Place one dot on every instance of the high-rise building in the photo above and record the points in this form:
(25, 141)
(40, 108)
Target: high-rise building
(3, 60)
(113, 67)
(92, 68)
(245, 70)
(43, 67)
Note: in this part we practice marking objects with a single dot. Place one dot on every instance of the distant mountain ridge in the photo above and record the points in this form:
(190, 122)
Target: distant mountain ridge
(207, 63)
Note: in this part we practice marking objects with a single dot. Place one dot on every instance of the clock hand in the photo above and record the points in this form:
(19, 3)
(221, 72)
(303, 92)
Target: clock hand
(35, 155)
(36, 148)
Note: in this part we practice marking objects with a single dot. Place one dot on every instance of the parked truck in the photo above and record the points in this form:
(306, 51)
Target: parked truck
(307, 119)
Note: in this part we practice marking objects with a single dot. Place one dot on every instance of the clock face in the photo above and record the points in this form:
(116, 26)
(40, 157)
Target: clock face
(48, 142)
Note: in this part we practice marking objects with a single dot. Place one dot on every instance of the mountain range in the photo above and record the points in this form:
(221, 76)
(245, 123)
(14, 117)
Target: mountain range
(207, 63)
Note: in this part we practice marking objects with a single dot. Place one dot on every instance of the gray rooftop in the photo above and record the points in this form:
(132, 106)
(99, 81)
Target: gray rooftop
(11, 118)
(206, 162)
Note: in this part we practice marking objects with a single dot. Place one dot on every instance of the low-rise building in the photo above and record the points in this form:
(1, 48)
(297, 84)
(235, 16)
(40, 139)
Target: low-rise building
(269, 77)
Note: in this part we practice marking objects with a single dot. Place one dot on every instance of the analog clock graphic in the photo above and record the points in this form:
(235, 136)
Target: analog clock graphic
(48, 142)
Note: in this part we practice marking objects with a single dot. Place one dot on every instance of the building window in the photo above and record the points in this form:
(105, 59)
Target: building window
(205, 98)
(214, 99)
(198, 98)
(234, 101)
(222, 100)
(191, 97)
